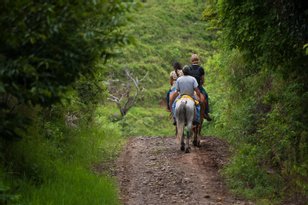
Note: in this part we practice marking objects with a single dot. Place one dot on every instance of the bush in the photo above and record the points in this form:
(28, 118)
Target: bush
(246, 176)
(55, 163)
(260, 93)
(47, 46)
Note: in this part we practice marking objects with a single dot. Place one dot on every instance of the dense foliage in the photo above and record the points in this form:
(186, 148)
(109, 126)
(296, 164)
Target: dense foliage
(52, 55)
(263, 111)
(46, 46)
(53, 74)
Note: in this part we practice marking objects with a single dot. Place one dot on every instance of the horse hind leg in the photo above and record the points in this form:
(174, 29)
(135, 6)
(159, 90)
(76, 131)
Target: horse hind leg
(182, 146)
(196, 138)
(182, 142)
(180, 135)
(187, 149)
(189, 117)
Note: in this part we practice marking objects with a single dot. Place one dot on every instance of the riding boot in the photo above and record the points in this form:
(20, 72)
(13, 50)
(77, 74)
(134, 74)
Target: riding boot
(207, 117)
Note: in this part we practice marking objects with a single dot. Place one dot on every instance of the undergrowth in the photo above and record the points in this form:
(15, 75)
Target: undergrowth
(261, 115)
(55, 165)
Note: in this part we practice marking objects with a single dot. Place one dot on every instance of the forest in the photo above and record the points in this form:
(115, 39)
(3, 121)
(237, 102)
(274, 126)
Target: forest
(80, 78)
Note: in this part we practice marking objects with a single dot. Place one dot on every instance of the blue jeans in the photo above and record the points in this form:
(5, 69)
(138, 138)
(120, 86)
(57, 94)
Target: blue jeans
(168, 97)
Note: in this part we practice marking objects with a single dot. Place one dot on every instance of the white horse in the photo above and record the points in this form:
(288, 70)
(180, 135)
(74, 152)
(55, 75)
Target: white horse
(184, 115)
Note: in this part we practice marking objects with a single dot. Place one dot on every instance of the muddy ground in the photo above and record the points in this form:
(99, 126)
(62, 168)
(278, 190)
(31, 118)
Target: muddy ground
(153, 171)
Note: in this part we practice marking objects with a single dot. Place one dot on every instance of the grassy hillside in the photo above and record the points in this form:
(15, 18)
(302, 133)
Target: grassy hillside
(165, 31)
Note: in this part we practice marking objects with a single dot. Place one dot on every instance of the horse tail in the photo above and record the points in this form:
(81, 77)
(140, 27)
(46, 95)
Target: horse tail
(180, 119)
(181, 112)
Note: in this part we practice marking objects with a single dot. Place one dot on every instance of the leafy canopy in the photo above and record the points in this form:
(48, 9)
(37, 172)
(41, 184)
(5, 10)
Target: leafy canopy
(47, 45)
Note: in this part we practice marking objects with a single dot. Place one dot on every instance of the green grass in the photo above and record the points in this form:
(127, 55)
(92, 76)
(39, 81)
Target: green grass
(141, 121)
(165, 31)
(58, 169)
(72, 185)
(152, 121)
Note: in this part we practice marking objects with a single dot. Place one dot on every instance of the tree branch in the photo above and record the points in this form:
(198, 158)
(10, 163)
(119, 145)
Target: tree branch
(122, 97)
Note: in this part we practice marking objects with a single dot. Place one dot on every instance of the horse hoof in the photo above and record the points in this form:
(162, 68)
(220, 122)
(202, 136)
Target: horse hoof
(187, 150)
(182, 148)
(195, 143)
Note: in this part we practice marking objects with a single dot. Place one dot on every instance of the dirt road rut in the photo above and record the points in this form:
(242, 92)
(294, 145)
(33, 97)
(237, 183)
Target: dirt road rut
(153, 170)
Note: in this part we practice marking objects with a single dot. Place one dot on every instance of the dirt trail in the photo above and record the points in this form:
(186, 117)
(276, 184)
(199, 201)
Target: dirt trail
(152, 170)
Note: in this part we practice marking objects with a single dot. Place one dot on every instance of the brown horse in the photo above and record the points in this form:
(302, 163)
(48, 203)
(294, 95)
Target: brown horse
(197, 128)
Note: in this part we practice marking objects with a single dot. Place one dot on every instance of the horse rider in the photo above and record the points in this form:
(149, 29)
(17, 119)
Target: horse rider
(186, 85)
(174, 75)
(198, 73)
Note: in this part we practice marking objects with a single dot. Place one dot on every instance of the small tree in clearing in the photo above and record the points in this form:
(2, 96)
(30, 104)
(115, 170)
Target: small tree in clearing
(123, 93)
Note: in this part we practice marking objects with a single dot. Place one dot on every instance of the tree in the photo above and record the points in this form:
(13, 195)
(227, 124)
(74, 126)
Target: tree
(267, 80)
(47, 45)
(121, 94)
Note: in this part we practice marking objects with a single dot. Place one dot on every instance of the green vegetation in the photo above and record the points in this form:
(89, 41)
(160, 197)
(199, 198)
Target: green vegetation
(165, 31)
(51, 59)
(47, 46)
(260, 95)
(56, 169)
(53, 164)
(57, 123)
(140, 121)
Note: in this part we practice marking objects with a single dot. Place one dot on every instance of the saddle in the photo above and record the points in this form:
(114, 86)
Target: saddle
(188, 97)
(195, 121)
